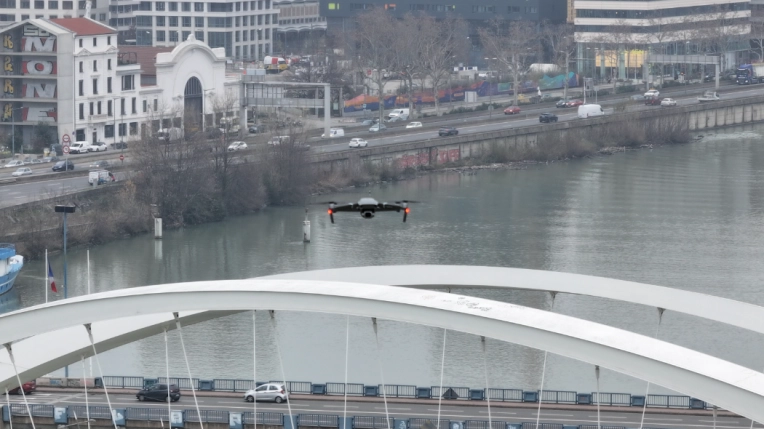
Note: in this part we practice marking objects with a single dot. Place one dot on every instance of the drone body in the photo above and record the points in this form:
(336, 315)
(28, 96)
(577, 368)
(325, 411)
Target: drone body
(368, 207)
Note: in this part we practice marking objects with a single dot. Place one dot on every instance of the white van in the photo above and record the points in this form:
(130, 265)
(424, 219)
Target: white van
(590, 110)
(277, 140)
(398, 112)
(80, 147)
(335, 132)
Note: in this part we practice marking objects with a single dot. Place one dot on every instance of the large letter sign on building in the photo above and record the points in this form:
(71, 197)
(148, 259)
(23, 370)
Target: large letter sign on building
(40, 90)
(37, 40)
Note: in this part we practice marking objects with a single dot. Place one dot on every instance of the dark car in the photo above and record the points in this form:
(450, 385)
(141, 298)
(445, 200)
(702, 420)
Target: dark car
(574, 103)
(63, 166)
(158, 392)
(447, 131)
(653, 101)
(29, 387)
(562, 104)
(119, 145)
(101, 163)
(547, 117)
(56, 149)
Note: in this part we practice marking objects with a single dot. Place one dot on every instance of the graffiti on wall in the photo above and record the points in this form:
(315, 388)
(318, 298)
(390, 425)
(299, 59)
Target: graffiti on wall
(39, 114)
(38, 67)
(39, 90)
(37, 40)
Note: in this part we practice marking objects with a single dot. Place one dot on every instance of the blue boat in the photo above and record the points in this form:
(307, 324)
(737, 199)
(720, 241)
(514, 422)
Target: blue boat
(10, 265)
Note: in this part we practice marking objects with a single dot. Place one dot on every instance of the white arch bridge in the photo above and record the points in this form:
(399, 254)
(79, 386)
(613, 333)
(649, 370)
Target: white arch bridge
(122, 316)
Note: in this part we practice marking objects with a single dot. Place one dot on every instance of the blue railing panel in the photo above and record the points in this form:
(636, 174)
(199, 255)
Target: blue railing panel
(602, 427)
(152, 414)
(207, 416)
(305, 387)
(123, 382)
(417, 423)
(532, 425)
(398, 391)
(558, 397)
(612, 398)
(354, 389)
(373, 422)
(668, 401)
(37, 410)
(515, 395)
(461, 392)
(269, 419)
(224, 384)
(182, 383)
(319, 420)
(483, 424)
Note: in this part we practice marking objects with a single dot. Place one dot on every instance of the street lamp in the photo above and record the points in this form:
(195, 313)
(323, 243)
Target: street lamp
(210, 93)
(13, 133)
(65, 210)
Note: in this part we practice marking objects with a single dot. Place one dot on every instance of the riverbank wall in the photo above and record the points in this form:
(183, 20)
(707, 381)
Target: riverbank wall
(658, 125)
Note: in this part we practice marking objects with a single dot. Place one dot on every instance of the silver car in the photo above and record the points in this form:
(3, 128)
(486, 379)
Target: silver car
(268, 392)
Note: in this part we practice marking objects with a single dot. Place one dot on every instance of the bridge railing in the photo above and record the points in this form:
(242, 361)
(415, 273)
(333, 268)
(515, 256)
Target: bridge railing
(411, 391)
(373, 422)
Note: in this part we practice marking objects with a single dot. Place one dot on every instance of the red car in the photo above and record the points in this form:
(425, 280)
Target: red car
(511, 110)
(653, 101)
(29, 387)
(575, 103)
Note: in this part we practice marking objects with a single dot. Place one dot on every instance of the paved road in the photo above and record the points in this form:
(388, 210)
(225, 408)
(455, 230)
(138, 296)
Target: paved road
(412, 409)
(33, 191)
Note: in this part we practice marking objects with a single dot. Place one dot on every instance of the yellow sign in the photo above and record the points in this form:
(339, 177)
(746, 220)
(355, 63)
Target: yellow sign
(7, 41)
(8, 64)
(612, 58)
(7, 113)
(8, 88)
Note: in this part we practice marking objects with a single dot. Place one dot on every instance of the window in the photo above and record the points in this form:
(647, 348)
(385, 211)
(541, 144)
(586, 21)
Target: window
(128, 83)
(108, 108)
(198, 7)
(238, 6)
(186, 22)
(513, 9)
(80, 43)
(199, 35)
(95, 65)
(95, 86)
(95, 41)
(160, 21)
(145, 106)
(82, 68)
(67, 5)
(267, 19)
(531, 10)
(39, 4)
(145, 21)
(260, 18)
(199, 22)
(173, 36)
(108, 131)
(185, 35)
(82, 110)
(91, 109)
(108, 84)
(159, 6)
(160, 36)
(134, 106)
(173, 21)
(267, 4)
(236, 36)
(238, 21)
(390, 6)
(185, 6)
(244, 35)
(122, 106)
(81, 84)
(173, 6)
(133, 128)
(25, 4)
(156, 104)
(108, 64)
(24, 17)
(108, 42)
(267, 33)
(99, 108)
(144, 5)
(53, 4)
(122, 128)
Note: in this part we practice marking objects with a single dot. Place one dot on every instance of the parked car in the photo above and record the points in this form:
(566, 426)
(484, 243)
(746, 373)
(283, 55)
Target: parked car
(27, 160)
(63, 165)
(158, 392)
(100, 164)
(562, 104)
(574, 103)
(268, 392)
(377, 128)
(414, 125)
(79, 147)
(23, 171)
(511, 110)
(668, 102)
(98, 147)
(50, 159)
(254, 129)
(29, 387)
(119, 145)
(368, 121)
(237, 145)
(652, 93)
(358, 142)
(547, 117)
(36, 161)
(653, 101)
(447, 131)
(14, 163)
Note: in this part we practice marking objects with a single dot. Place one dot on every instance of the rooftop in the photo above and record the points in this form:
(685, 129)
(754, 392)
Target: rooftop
(146, 56)
(83, 26)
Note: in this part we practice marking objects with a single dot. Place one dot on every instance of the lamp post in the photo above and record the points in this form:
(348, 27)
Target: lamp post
(13, 133)
(65, 210)
(210, 93)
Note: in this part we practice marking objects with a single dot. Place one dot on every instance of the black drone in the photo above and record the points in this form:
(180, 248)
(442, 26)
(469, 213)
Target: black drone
(368, 207)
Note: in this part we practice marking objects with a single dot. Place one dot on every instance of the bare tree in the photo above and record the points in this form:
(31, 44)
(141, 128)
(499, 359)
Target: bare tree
(223, 107)
(719, 31)
(375, 37)
(408, 50)
(612, 45)
(559, 37)
(757, 39)
(442, 44)
(511, 43)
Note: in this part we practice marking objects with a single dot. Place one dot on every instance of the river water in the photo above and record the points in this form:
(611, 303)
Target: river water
(689, 216)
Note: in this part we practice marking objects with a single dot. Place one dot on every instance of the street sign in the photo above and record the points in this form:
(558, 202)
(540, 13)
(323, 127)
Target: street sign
(364, 106)
(66, 149)
(65, 140)
(122, 157)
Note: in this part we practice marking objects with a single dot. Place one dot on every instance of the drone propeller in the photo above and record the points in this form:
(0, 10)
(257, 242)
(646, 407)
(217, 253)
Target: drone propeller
(407, 202)
(321, 203)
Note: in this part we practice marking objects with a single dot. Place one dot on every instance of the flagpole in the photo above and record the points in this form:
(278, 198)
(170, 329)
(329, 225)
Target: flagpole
(90, 359)
(47, 285)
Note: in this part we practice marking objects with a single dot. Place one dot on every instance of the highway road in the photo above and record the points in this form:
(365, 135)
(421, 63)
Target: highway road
(452, 410)
(15, 194)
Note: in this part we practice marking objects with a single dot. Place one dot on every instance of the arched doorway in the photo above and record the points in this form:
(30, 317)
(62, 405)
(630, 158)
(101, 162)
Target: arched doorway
(193, 107)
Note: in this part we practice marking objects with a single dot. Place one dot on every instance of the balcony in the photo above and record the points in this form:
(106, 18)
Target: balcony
(127, 58)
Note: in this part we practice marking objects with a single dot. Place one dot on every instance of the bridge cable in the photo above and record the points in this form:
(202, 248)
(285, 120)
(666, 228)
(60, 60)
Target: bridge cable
(485, 371)
(597, 374)
(281, 363)
(442, 365)
(647, 390)
(85, 384)
(543, 371)
(254, 367)
(10, 411)
(347, 354)
(188, 369)
(21, 385)
(381, 372)
(100, 372)
(167, 369)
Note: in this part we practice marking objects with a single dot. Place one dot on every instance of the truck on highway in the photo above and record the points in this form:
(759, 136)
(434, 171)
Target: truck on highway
(750, 73)
(169, 134)
(275, 64)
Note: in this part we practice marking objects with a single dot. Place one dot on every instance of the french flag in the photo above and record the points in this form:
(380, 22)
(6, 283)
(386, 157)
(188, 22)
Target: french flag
(51, 279)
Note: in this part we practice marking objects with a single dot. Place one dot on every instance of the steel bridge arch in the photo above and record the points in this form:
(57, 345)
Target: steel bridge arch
(731, 386)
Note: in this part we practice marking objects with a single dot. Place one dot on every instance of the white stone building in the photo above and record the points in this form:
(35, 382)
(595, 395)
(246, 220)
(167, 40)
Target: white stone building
(69, 73)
